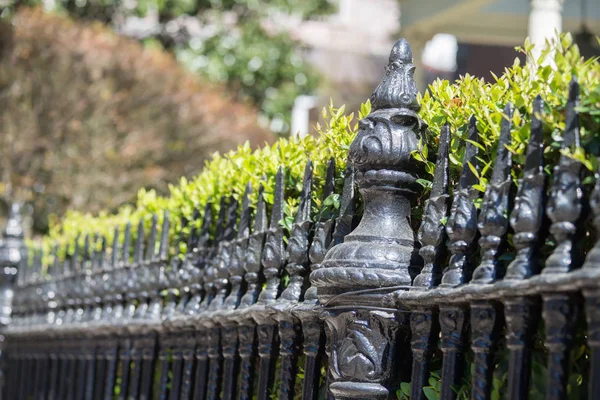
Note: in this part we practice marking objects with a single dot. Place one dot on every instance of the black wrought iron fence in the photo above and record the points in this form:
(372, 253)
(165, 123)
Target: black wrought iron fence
(238, 317)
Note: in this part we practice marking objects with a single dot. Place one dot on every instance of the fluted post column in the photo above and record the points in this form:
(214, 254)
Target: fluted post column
(375, 258)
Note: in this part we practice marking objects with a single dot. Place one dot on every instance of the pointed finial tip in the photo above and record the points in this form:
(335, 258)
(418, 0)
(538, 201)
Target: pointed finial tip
(397, 89)
(401, 52)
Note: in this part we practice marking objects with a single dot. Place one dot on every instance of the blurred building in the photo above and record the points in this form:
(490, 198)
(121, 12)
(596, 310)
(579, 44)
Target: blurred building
(448, 38)
(488, 30)
(350, 48)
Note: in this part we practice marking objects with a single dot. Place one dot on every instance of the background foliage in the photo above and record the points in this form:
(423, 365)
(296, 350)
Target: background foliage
(227, 174)
(549, 76)
(224, 41)
(89, 117)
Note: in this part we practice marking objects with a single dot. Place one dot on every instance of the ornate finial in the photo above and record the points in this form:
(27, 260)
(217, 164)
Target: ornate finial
(398, 88)
(14, 222)
(386, 172)
(462, 223)
(493, 218)
(375, 258)
(432, 231)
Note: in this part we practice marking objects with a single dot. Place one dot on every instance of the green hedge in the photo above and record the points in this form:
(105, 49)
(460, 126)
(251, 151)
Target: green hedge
(454, 103)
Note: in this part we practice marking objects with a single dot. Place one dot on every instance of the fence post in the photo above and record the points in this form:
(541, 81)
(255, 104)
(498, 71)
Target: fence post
(376, 257)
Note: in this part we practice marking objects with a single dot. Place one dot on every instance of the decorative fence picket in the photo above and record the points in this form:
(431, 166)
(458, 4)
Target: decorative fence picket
(237, 316)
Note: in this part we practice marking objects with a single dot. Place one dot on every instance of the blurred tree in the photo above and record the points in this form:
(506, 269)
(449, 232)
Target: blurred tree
(88, 117)
(224, 40)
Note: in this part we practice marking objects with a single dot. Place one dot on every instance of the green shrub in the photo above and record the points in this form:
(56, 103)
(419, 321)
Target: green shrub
(454, 103)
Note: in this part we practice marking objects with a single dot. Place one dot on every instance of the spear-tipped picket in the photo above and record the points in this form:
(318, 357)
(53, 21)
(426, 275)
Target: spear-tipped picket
(260, 218)
(151, 246)
(114, 255)
(493, 217)
(75, 264)
(36, 272)
(138, 250)
(198, 254)
(303, 213)
(102, 253)
(462, 223)
(229, 233)
(329, 186)
(54, 269)
(323, 236)
(244, 223)
(432, 230)
(66, 262)
(462, 230)
(212, 264)
(526, 217)
(564, 210)
(221, 220)
(204, 235)
(126, 244)
(565, 198)
(343, 223)
(277, 210)
(297, 249)
(164, 238)
(253, 254)
(236, 267)
(87, 254)
(273, 253)
(193, 237)
(522, 313)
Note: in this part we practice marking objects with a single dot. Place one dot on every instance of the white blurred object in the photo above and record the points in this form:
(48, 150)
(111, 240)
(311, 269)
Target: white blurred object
(545, 20)
(440, 52)
(300, 114)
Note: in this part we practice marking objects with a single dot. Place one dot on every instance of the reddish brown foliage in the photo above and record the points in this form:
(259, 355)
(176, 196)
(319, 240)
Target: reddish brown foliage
(89, 117)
